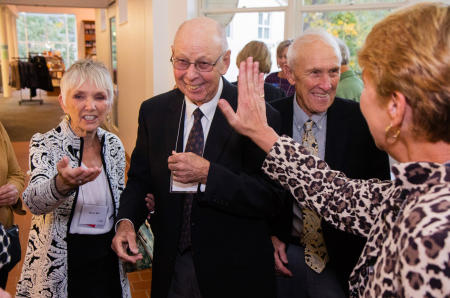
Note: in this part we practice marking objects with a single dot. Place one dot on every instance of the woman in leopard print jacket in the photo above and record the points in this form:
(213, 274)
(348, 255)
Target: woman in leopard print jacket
(406, 102)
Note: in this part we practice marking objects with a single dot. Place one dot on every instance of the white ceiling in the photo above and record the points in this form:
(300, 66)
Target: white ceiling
(61, 3)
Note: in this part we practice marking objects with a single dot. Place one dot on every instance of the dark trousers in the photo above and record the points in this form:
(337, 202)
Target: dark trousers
(93, 267)
(184, 282)
(3, 277)
(305, 282)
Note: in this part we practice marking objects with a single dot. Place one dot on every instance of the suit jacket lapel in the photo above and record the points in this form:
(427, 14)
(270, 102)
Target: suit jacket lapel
(220, 130)
(288, 116)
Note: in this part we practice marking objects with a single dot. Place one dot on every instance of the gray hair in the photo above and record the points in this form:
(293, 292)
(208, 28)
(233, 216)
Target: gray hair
(345, 52)
(308, 36)
(83, 71)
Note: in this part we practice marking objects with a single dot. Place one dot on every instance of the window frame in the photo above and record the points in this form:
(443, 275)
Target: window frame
(294, 10)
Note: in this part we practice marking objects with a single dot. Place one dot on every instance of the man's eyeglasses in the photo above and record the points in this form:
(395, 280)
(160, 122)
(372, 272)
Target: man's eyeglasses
(201, 66)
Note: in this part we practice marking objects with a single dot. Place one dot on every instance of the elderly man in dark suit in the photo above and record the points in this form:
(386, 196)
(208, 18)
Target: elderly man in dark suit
(211, 199)
(313, 258)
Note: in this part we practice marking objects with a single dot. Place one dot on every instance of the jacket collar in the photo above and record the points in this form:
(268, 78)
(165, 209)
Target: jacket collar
(65, 128)
(420, 176)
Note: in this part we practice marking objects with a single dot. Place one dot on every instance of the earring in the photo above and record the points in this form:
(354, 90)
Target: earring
(391, 133)
(108, 118)
(67, 117)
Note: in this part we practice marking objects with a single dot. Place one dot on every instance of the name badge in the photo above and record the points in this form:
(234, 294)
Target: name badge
(93, 215)
(182, 187)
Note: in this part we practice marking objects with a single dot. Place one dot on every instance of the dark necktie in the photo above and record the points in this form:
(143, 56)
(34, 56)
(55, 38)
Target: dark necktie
(194, 144)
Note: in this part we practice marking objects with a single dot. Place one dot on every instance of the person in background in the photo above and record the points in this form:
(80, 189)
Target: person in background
(259, 51)
(406, 102)
(344, 142)
(12, 182)
(211, 200)
(350, 85)
(279, 79)
(77, 175)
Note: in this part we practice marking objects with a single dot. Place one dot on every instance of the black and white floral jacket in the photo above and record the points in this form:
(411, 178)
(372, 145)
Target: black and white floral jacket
(406, 221)
(44, 271)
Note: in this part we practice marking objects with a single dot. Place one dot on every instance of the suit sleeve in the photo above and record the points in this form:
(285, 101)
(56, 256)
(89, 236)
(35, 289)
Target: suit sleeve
(248, 192)
(132, 203)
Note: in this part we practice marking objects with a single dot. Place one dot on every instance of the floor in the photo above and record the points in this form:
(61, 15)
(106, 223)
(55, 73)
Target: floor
(139, 281)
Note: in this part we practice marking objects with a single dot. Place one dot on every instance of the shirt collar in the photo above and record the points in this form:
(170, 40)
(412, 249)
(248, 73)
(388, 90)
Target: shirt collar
(300, 116)
(209, 108)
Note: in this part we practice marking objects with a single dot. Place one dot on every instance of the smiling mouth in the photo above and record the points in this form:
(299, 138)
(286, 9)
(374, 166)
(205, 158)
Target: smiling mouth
(192, 87)
(89, 117)
(321, 95)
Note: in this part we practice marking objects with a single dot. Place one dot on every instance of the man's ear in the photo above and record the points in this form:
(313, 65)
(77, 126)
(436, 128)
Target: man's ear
(396, 108)
(289, 74)
(223, 67)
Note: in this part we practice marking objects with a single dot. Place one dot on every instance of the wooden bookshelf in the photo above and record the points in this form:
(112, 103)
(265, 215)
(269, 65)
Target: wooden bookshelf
(89, 38)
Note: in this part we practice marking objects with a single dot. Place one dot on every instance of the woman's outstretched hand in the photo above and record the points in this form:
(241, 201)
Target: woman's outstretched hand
(250, 117)
(69, 178)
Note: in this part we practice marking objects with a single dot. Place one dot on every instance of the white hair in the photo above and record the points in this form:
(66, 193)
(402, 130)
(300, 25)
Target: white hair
(345, 52)
(83, 71)
(308, 36)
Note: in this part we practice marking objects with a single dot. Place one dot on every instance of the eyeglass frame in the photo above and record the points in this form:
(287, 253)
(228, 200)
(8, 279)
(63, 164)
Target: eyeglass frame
(173, 60)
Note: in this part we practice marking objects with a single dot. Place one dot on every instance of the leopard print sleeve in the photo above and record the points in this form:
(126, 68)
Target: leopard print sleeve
(351, 205)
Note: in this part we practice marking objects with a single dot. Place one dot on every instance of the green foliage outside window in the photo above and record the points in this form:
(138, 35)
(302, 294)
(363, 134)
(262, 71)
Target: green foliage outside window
(37, 33)
(350, 26)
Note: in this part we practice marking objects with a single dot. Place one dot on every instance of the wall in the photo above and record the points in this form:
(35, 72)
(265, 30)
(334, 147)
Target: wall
(134, 63)
(80, 15)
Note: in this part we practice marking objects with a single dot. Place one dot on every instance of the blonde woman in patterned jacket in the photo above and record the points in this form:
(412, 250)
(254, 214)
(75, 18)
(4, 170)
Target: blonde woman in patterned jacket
(77, 175)
(406, 102)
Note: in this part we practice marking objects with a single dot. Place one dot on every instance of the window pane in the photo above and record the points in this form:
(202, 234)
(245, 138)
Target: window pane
(313, 2)
(20, 25)
(36, 28)
(56, 28)
(23, 49)
(217, 4)
(350, 26)
(244, 28)
(71, 27)
(36, 47)
(73, 53)
(47, 32)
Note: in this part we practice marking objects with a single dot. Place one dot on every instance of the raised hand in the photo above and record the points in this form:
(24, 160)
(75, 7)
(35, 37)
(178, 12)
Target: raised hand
(250, 117)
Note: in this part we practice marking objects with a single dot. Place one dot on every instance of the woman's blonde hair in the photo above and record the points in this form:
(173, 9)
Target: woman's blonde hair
(409, 52)
(86, 70)
(259, 51)
(282, 45)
